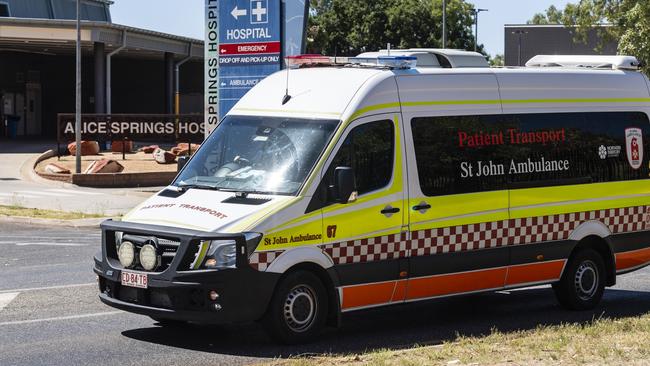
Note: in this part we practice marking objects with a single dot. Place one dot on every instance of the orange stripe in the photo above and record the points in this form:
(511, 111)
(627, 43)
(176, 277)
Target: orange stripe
(632, 259)
(368, 294)
(455, 283)
(400, 291)
(535, 272)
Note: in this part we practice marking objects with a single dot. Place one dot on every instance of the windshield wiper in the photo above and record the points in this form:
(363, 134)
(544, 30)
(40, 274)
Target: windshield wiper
(185, 187)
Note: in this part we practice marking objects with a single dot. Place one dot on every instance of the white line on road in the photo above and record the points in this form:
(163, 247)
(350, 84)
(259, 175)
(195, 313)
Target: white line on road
(5, 299)
(50, 244)
(81, 316)
(16, 195)
(49, 288)
(41, 193)
(73, 192)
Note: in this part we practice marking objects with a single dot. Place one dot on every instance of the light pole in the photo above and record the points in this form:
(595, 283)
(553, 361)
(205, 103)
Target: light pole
(520, 33)
(77, 119)
(444, 23)
(476, 12)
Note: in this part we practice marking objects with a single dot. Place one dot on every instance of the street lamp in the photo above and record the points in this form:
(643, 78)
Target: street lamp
(444, 23)
(476, 12)
(520, 33)
(77, 119)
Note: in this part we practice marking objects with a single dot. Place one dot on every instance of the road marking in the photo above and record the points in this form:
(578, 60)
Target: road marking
(50, 244)
(17, 195)
(6, 298)
(49, 288)
(42, 193)
(92, 315)
(73, 192)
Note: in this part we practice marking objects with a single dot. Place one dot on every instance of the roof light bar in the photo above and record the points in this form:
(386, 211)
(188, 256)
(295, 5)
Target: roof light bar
(304, 60)
(398, 62)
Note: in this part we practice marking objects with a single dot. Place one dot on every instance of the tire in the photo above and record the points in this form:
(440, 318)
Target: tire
(298, 310)
(583, 282)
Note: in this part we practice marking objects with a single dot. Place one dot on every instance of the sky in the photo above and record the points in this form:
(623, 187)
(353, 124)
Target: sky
(185, 17)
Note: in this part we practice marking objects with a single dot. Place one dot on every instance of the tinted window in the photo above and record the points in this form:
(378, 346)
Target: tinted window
(465, 154)
(369, 149)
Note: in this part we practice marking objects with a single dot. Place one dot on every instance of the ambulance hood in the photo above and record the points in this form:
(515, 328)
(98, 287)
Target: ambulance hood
(204, 210)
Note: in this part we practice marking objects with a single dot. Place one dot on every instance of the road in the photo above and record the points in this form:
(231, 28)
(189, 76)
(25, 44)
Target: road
(50, 314)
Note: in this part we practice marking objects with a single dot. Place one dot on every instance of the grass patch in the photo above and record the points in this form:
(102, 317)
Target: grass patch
(600, 342)
(44, 214)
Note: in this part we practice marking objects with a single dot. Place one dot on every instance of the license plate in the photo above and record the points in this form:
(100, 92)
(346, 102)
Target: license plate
(132, 279)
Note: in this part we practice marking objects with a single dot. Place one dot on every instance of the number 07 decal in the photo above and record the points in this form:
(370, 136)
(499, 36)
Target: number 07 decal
(331, 231)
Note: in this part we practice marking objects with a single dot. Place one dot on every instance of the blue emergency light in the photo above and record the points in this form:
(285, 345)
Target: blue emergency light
(398, 62)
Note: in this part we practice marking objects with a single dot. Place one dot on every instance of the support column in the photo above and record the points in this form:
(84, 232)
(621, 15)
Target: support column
(100, 77)
(169, 83)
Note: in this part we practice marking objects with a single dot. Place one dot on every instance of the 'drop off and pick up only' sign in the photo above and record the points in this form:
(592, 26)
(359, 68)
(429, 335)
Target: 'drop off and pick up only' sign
(249, 47)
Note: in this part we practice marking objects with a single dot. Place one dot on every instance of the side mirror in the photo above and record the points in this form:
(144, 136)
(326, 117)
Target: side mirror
(182, 160)
(343, 190)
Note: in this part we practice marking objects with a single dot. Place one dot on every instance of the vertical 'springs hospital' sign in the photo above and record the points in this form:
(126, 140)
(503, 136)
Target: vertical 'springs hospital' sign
(211, 64)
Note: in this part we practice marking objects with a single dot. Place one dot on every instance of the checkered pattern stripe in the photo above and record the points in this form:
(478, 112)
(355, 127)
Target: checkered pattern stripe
(485, 235)
(262, 260)
(367, 250)
(473, 236)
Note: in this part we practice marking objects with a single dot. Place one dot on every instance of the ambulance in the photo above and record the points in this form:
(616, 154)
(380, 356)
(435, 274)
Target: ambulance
(345, 184)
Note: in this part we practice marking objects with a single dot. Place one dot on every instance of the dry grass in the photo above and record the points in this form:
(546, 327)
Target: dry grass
(44, 214)
(601, 342)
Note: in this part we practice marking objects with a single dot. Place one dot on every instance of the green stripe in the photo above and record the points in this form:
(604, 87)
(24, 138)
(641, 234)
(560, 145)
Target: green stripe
(365, 110)
(580, 100)
(205, 245)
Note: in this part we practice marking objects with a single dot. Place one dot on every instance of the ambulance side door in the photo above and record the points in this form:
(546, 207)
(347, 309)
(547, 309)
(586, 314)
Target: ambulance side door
(458, 193)
(365, 236)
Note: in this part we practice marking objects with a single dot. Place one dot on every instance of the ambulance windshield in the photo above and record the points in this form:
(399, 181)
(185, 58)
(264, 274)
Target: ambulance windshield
(269, 155)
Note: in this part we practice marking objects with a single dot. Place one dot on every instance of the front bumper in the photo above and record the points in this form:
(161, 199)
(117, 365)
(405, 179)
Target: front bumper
(244, 293)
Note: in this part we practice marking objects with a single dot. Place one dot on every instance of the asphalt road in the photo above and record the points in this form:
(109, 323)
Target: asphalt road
(50, 314)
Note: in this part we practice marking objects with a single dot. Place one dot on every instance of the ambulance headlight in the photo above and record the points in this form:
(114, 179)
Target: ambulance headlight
(222, 254)
(148, 257)
(126, 254)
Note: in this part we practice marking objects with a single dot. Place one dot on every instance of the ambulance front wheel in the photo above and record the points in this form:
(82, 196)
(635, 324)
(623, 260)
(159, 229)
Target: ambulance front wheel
(298, 310)
(583, 282)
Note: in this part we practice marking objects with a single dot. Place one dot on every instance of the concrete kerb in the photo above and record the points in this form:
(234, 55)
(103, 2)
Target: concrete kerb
(79, 223)
(28, 171)
(143, 180)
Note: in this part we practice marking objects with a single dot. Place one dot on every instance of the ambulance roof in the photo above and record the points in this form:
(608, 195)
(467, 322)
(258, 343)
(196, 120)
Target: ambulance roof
(344, 92)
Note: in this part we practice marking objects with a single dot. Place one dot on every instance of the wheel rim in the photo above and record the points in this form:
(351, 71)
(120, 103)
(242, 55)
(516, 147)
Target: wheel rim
(586, 280)
(300, 308)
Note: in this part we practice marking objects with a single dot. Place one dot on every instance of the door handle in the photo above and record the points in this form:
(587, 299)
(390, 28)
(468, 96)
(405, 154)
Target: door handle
(390, 210)
(421, 206)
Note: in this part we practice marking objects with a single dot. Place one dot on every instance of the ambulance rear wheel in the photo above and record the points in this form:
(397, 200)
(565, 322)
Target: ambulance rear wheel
(583, 282)
(298, 310)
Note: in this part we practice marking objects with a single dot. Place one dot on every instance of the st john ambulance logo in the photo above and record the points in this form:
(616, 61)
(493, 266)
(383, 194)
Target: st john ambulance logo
(634, 147)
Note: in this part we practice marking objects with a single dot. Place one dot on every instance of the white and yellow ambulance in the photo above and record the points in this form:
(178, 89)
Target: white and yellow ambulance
(342, 185)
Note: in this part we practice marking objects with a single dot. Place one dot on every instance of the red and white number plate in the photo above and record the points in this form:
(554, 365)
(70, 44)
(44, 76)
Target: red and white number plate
(132, 279)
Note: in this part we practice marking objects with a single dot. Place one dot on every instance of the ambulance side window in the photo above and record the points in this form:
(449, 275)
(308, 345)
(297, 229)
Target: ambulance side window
(369, 149)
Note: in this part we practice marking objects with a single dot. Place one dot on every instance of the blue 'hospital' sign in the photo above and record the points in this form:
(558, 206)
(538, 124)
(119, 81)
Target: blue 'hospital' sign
(249, 47)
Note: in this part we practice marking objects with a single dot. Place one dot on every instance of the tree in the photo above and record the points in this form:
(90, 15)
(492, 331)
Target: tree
(349, 27)
(497, 60)
(552, 16)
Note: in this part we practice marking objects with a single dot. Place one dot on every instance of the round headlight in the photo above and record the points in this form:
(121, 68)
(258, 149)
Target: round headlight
(126, 254)
(148, 257)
